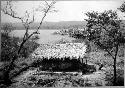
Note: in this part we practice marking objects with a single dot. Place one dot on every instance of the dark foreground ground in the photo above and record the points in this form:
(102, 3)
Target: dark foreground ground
(38, 79)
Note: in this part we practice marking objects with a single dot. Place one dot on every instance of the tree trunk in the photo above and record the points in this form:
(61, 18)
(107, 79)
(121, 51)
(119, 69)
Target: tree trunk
(86, 60)
(82, 60)
(114, 66)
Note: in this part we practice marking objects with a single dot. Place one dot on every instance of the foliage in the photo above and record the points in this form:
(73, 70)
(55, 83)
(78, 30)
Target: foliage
(63, 64)
(28, 48)
(120, 78)
(122, 7)
(26, 21)
(73, 32)
(104, 29)
(7, 28)
(99, 57)
(35, 37)
(77, 33)
(10, 45)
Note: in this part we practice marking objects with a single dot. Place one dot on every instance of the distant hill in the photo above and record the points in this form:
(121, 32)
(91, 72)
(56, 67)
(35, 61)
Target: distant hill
(54, 25)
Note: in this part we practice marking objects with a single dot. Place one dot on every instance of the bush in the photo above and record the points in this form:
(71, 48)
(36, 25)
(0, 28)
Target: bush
(28, 48)
(7, 28)
(119, 79)
(10, 46)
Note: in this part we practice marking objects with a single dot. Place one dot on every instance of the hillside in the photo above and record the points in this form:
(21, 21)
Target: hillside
(54, 25)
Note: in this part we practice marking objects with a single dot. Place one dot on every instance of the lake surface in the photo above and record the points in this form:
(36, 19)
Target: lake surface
(46, 36)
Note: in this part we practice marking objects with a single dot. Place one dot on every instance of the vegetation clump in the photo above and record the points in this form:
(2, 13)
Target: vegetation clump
(63, 65)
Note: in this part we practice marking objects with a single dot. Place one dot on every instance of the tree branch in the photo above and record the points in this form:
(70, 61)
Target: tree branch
(45, 13)
(109, 53)
(101, 45)
(26, 25)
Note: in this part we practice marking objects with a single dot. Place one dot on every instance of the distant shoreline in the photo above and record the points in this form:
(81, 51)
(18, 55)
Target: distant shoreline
(52, 25)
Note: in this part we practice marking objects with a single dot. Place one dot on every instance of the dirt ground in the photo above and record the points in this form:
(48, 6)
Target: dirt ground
(35, 79)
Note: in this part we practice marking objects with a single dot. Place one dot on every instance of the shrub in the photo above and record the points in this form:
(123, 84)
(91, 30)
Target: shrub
(119, 79)
(7, 28)
(10, 45)
(28, 48)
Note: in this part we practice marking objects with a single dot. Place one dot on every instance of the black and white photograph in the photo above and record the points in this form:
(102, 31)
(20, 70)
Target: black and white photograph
(62, 44)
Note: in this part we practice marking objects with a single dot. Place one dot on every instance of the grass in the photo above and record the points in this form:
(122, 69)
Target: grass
(100, 56)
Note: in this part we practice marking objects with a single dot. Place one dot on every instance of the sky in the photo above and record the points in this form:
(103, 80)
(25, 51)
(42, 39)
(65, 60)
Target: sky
(67, 10)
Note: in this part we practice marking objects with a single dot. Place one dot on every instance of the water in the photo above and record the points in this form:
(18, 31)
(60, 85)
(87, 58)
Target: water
(45, 36)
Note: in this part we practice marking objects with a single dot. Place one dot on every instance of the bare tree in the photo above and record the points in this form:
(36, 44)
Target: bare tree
(26, 21)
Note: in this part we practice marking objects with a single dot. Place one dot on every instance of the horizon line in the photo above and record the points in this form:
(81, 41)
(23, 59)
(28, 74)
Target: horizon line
(47, 21)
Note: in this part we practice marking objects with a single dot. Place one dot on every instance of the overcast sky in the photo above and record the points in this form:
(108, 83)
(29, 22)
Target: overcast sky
(67, 10)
